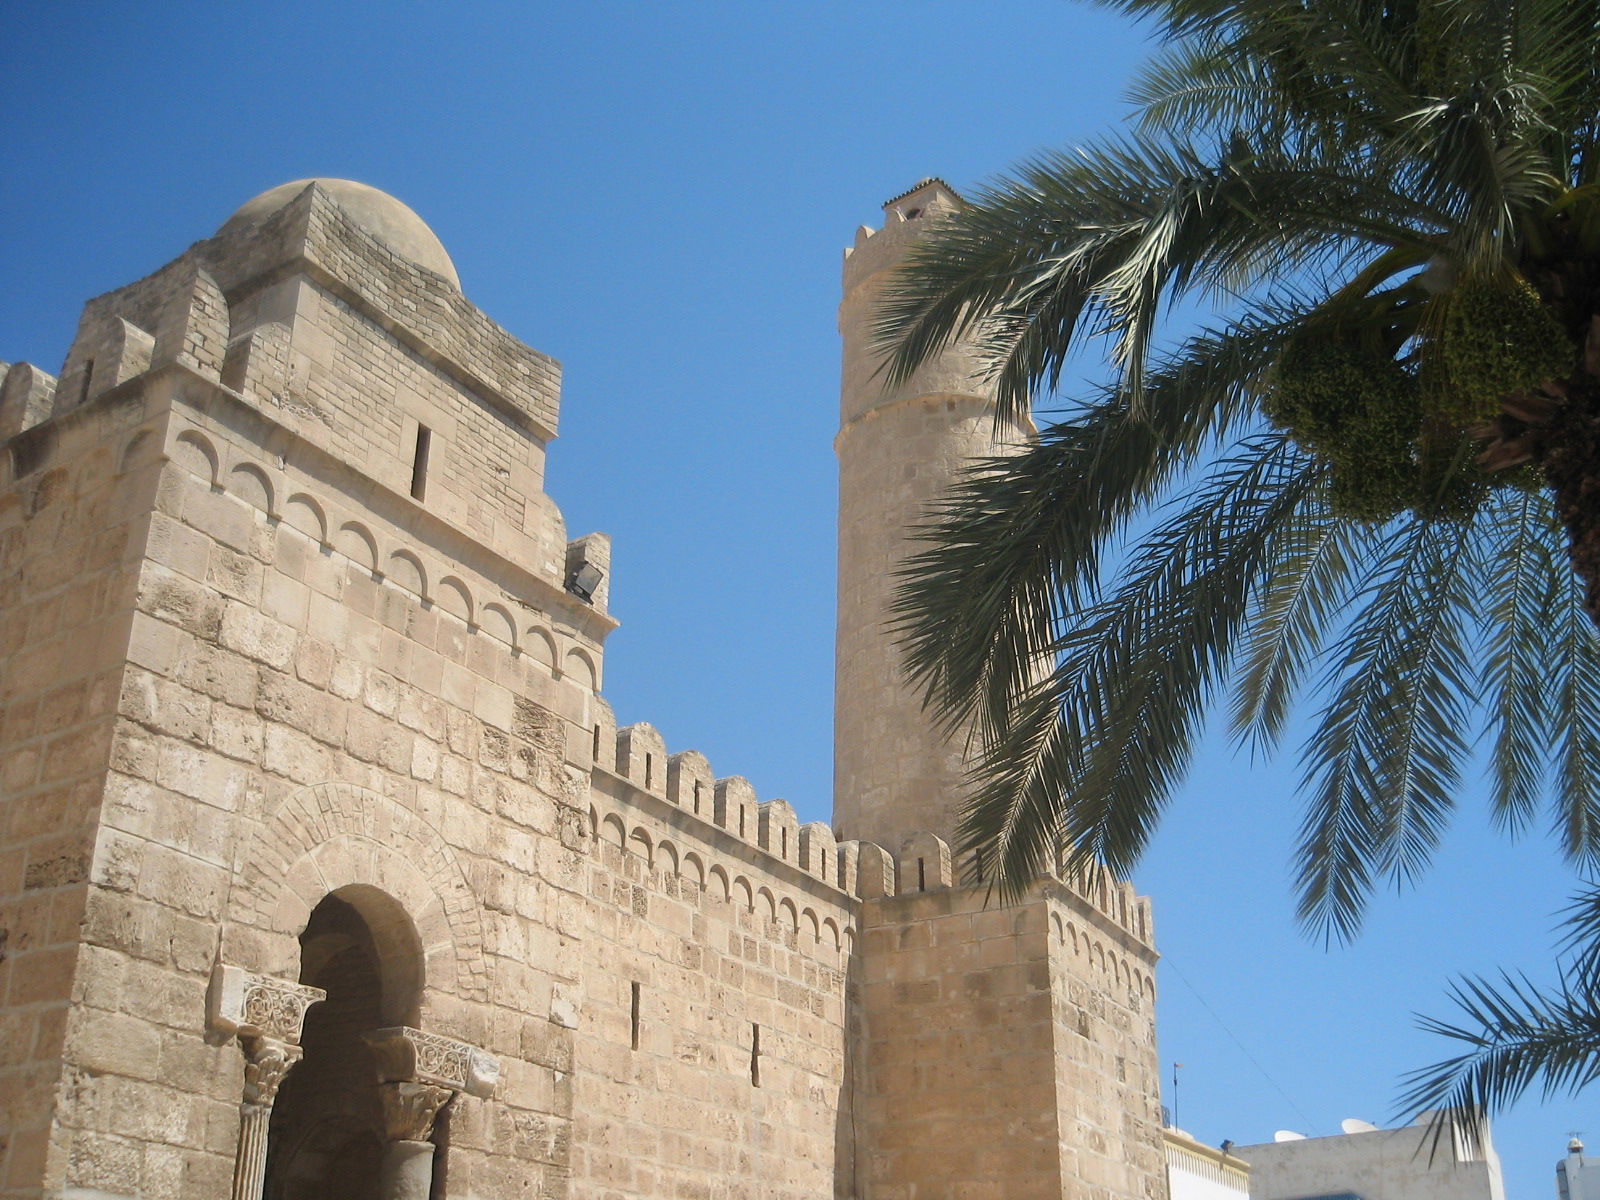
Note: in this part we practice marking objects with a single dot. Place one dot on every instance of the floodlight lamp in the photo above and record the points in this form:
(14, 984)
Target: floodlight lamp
(585, 580)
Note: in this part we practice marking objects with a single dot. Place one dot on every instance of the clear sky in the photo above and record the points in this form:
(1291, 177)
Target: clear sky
(658, 195)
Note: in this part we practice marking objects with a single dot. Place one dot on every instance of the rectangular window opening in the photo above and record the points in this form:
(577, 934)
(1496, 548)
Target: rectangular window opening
(697, 795)
(922, 874)
(596, 743)
(419, 463)
(783, 843)
(755, 1055)
(634, 1015)
(88, 376)
(741, 822)
(649, 771)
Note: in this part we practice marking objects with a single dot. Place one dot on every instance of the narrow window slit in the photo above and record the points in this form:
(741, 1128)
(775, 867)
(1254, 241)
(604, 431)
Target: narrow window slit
(88, 376)
(419, 463)
(755, 1055)
(697, 795)
(634, 1015)
(597, 743)
(922, 874)
(649, 770)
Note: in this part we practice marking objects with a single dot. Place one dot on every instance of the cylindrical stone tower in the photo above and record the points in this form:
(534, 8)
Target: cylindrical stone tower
(900, 448)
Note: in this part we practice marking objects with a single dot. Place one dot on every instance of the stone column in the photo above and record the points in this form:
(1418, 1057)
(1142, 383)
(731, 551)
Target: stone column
(418, 1075)
(266, 1015)
(408, 1113)
(267, 1061)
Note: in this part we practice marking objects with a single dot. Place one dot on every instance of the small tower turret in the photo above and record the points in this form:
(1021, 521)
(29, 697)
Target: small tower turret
(899, 449)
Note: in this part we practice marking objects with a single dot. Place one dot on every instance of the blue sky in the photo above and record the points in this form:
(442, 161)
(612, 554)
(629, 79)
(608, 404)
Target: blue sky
(659, 196)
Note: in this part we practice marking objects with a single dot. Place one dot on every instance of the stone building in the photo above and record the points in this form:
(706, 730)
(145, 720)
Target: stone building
(1411, 1162)
(325, 871)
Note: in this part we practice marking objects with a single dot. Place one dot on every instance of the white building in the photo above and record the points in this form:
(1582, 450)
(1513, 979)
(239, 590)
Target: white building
(1577, 1176)
(1367, 1163)
(1196, 1171)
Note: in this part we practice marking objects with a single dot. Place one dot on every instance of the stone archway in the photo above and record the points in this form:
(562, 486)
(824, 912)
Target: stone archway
(332, 837)
(327, 1135)
(347, 887)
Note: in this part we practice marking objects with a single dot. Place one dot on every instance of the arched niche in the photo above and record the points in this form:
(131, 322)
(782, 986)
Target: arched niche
(326, 1135)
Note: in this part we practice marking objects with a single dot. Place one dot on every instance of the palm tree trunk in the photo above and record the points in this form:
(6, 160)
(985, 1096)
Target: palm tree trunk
(1568, 449)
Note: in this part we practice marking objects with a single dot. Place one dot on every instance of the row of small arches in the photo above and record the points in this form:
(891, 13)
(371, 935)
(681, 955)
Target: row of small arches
(663, 855)
(1121, 971)
(400, 565)
(1111, 896)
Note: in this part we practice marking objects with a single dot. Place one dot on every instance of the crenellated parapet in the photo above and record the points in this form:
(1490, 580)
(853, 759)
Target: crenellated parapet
(26, 399)
(760, 834)
(874, 249)
(1097, 889)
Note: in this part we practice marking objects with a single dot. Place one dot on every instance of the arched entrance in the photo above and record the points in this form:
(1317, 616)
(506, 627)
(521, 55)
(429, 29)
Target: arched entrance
(327, 1133)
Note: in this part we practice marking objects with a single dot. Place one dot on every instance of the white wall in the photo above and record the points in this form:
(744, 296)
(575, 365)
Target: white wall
(1386, 1164)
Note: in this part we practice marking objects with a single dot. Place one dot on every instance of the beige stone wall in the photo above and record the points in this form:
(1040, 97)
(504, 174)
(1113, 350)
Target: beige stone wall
(733, 1088)
(289, 727)
(894, 770)
(319, 686)
(74, 500)
(960, 1050)
(370, 391)
(242, 670)
(350, 346)
(1009, 1054)
(1102, 984)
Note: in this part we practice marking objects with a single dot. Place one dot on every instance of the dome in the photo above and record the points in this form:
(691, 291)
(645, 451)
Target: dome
(379, 213)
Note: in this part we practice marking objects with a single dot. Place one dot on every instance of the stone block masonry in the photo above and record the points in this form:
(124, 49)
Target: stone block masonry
(325, 869)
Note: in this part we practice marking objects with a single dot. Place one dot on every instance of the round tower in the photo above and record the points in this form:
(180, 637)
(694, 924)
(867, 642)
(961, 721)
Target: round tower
(899, 448)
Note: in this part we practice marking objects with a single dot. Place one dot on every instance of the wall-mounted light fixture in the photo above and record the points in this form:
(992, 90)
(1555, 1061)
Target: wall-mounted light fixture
(584, 580)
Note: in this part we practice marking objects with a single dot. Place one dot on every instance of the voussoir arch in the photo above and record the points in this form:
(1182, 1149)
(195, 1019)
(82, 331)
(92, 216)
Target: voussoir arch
(334, 836)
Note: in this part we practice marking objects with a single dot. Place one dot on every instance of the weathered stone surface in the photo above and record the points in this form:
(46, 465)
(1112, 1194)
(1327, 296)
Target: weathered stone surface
(283, 714)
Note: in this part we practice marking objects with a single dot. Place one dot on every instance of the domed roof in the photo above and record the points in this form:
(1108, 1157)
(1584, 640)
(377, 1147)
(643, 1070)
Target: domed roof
(379, 213)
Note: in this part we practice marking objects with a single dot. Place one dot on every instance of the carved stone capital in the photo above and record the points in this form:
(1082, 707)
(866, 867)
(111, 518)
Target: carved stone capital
(258, 1006)
(409, 1109)
(404, 1054)
(267, 1061)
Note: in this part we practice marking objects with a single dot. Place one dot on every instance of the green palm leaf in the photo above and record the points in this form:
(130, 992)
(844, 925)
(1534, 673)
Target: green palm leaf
(1383, 762)
(1516, 1035)
(1354, 176)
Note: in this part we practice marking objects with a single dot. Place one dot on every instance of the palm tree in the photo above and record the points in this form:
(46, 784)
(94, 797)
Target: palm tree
(1373, 480)
(1516, 1033)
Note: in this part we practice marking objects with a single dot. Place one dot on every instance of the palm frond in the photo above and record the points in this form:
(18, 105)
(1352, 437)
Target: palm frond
(1093, 245)
(1099, 743)
(1516, 1035)
(1382, 764)
(1017, 544)
(1311, 584)
(1581, 944)
(1370, 155)
(1573, 683)
(1513, 571)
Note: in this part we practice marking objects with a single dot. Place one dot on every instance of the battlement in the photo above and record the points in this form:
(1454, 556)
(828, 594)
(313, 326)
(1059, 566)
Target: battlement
(903, 219)
(304, 314)
(764, 833)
